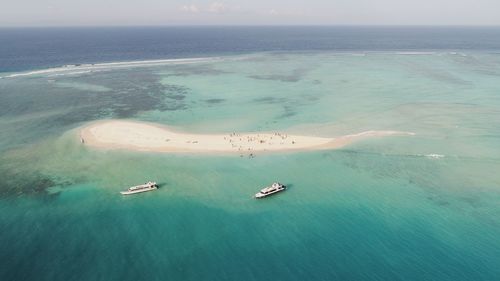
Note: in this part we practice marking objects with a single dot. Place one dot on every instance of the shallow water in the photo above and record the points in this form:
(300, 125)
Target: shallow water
(396, 208)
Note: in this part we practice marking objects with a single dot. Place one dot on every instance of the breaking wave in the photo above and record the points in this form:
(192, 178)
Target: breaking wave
(87, 68)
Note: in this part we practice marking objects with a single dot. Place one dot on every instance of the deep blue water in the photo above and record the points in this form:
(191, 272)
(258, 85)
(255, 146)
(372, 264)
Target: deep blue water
(35, 48)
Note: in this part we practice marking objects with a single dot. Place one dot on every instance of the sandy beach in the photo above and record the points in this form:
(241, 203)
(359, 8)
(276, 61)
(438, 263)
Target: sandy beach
(143, 136)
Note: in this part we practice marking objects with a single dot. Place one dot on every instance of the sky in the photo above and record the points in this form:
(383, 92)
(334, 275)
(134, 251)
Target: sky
(253, 12)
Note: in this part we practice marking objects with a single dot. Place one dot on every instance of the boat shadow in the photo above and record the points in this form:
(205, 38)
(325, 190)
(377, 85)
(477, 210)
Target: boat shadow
(160, 185)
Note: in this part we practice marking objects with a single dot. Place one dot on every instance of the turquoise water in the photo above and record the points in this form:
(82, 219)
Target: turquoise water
(398, 208)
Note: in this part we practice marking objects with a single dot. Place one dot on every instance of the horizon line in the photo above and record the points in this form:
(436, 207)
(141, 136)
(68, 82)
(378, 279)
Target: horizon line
(247, 25)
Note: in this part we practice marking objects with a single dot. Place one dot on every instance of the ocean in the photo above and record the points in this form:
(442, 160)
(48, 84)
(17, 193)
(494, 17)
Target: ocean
(35, 48)
(422, 207)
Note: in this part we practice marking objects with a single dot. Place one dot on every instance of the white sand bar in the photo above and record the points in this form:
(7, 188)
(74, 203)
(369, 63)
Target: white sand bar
(142, 136)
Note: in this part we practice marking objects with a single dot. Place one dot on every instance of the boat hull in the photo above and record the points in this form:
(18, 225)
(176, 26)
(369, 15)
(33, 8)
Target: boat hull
(262, 195)
(138, 191)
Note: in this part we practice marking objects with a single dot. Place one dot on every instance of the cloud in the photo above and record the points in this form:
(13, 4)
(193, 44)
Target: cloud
(190, 8)
(274, 12)
(217, 7)
(212, 8)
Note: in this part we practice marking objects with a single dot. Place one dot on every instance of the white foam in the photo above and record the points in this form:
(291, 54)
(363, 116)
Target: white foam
(379, 133)
(73, 73)
(415, 53)
(86, 68)
(434, 156)
(358, 54)
(457, 54)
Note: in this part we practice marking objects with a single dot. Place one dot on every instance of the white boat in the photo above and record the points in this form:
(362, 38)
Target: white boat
(149, 186)
(270, 190)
